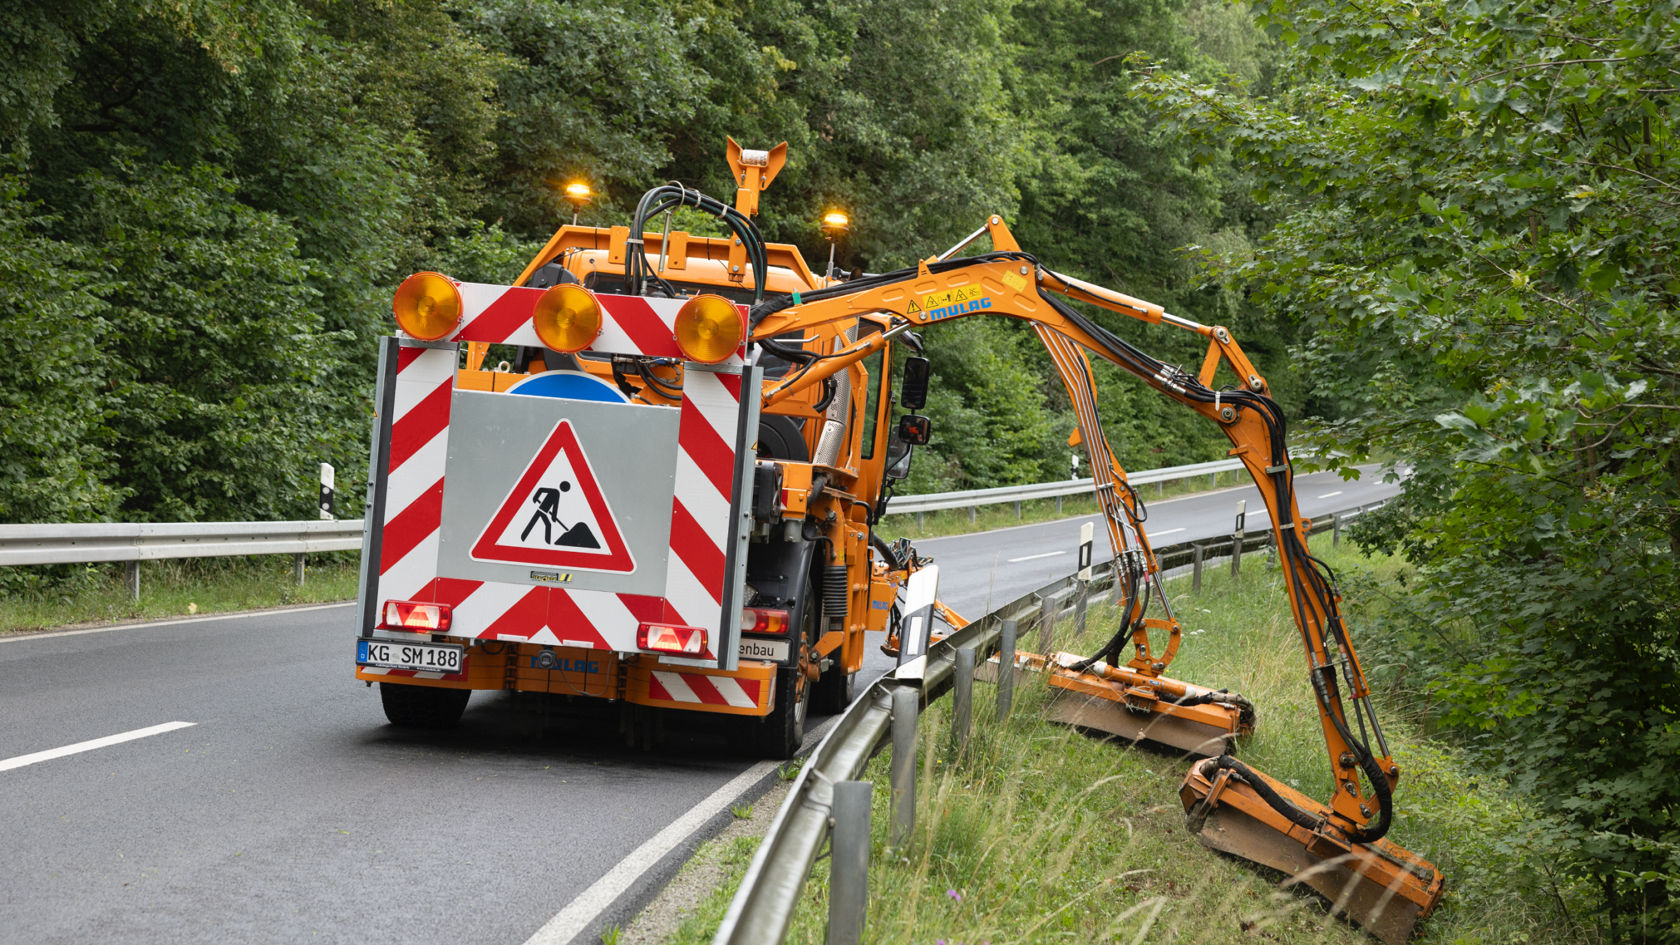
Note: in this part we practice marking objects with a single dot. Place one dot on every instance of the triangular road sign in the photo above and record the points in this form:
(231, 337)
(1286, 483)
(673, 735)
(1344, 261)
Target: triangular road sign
(556, 515)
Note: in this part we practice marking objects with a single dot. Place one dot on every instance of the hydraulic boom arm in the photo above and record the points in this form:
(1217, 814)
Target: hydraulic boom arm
(1011, 283)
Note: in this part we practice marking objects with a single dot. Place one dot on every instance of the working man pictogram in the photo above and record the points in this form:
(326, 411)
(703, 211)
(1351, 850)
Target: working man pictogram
(548, 513)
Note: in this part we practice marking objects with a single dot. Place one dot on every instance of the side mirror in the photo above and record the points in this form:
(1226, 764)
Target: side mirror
(915, 430)
(913, 393)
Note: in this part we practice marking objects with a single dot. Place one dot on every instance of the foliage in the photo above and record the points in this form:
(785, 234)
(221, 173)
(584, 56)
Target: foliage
(1478, 220)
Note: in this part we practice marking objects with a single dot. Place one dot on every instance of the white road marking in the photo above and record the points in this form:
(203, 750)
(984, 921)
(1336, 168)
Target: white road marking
(54, 634)
(1170, 531)
(106, 742)
(1329, 495)
(1047, 554)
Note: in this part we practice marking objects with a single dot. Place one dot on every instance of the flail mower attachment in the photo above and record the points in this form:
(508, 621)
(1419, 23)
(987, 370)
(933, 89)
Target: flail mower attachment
(1154, 710)
(1378, 885)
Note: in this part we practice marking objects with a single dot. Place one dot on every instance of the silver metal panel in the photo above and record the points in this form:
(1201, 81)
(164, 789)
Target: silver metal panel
(630, 449)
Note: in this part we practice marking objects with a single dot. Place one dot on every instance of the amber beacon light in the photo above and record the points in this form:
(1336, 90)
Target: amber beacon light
(427, 306)
(567, 318)
(710, 328)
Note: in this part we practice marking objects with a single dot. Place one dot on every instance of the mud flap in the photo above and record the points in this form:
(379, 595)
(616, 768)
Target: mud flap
(1381, 887)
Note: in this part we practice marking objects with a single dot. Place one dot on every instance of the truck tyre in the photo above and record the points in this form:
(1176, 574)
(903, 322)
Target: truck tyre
(423, 706)
(834, 689)
(779, 734)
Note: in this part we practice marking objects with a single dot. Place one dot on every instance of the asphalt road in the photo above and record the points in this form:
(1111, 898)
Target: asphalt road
(281, 807)
(979, 572)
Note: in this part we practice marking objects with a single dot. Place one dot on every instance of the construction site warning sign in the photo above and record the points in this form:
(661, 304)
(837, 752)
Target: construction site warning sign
(556, 514)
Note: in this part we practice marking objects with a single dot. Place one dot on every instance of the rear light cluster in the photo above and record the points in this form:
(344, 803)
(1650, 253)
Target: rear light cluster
(568, 318)
(671, 638)
(416, 616)
(764, 620)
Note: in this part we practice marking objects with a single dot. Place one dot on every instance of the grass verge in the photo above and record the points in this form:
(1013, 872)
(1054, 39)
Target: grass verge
(73, 595)
(1040, 834)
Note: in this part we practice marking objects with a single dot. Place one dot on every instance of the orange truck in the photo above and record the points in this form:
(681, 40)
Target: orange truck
(663, 494)
(613, 510)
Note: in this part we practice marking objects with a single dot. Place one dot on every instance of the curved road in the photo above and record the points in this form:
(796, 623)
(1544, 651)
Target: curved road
(257, 795)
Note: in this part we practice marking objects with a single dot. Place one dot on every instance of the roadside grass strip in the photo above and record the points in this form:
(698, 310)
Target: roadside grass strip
(1038, 833)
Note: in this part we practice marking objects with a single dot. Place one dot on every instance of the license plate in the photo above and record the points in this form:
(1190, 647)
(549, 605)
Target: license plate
(423, 657)
(754, 648)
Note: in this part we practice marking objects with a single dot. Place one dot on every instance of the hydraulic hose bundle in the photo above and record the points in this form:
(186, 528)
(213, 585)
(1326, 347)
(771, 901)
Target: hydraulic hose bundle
(671, 196)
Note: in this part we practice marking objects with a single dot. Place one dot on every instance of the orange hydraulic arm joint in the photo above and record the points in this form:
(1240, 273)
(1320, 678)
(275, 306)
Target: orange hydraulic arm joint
(1336, 848)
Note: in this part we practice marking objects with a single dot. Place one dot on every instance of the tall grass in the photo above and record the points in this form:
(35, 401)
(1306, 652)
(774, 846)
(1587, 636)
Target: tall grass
(1038, 833)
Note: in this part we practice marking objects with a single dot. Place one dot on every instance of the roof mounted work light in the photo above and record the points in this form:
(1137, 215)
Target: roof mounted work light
(709, 328)
(567, 318)
(427, 306)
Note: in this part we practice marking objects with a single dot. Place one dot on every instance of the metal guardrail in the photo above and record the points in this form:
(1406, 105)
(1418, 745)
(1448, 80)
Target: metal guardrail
(969, 498)
(101, 541)
(764, 903)
(105, 541)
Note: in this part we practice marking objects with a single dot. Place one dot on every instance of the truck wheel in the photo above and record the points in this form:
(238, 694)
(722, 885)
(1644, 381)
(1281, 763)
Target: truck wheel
(779, 734)
(423, 706)
(834, 689)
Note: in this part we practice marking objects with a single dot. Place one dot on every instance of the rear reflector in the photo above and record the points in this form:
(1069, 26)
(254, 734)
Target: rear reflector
(415, 616)
(669, 638)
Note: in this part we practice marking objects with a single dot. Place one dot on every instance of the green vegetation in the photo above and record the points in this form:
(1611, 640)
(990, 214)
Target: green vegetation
(1476, 220)
(1445, 232)
(1041, 834)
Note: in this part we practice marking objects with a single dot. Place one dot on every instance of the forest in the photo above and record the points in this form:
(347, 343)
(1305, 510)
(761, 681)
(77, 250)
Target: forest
(1445, 231)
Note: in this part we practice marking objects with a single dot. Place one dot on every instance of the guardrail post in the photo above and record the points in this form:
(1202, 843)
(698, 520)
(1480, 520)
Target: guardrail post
(1006, 668)
(1082, 590)
(1017, 510)
(1197, 552)
(1236, 553)
(134, 581)
(962, 706)
(1047, 608)
(921, 522)
(297, 569)
(1336, 529)
(848, 878)
(904, 711)
(972, 510)
(1058, 505)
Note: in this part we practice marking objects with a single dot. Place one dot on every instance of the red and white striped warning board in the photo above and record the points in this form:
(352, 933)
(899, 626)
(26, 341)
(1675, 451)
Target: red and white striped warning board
(701, 586)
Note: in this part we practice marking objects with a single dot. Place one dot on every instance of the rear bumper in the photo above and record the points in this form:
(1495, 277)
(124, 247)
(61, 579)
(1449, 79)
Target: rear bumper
(635, 678)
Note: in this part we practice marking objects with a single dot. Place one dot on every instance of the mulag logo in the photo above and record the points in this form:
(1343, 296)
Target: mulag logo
(556, 514)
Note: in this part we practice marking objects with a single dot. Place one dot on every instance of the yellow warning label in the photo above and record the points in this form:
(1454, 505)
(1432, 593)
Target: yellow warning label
(1018, 283)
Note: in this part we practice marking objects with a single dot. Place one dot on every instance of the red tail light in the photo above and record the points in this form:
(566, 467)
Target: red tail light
(763, 620)
(416, 616)
(670, 638)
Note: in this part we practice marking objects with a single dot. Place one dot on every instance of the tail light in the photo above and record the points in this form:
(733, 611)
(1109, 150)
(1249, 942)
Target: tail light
(416, 616)
(764, 620)
(670, 638)
(427, 306)
(567, 318)
(709, 328)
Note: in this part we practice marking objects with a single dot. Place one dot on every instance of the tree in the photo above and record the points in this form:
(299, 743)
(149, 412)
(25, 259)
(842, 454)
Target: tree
(1480, 205)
